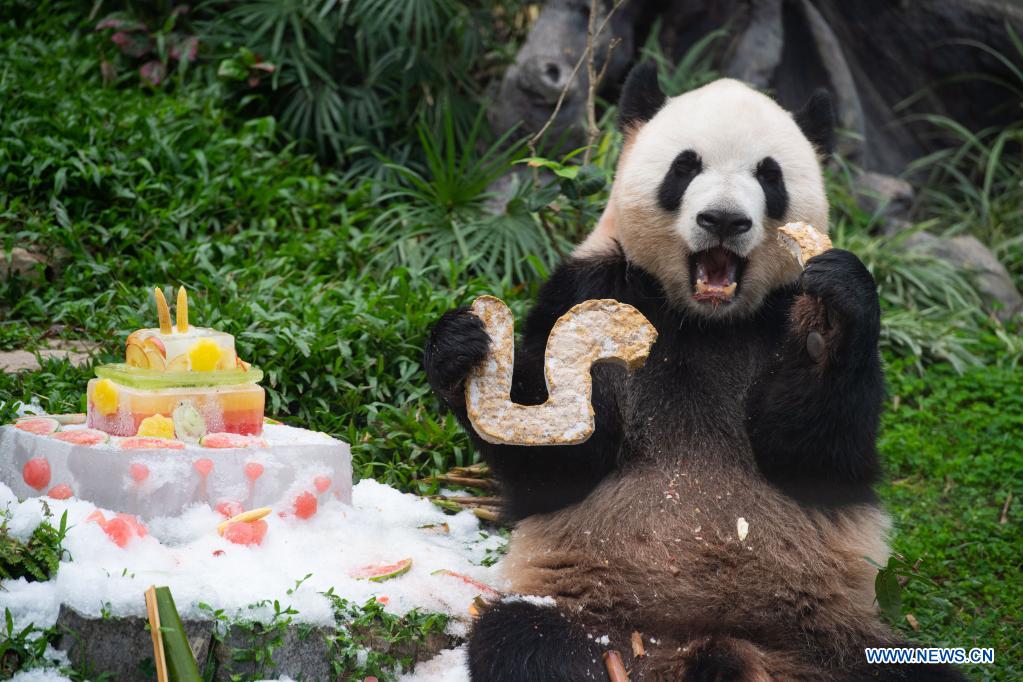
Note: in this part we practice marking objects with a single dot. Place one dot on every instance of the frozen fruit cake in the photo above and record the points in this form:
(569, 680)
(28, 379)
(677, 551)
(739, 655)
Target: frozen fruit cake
(177, 382)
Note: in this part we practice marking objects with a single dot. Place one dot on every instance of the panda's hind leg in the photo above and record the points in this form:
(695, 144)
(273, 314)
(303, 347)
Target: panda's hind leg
(520, 641)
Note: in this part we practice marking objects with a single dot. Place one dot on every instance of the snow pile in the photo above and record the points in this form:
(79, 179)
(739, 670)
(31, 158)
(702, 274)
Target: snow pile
(298, 560)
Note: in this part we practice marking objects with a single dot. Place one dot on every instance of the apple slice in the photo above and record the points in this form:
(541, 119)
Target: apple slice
(178, 364)
(156, 360)
(153, 343)
(135, 356)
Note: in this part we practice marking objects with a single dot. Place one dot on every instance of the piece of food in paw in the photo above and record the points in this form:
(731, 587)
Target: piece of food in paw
(595, 330)
(803, 241)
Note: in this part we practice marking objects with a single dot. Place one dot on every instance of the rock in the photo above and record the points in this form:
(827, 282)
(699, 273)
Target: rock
(543, 69)
(884, 62)
(887, 199)
(75, 352)
(23, 263)
(757, 52)
(994, 284)
(120, 647)
(306, 652)
(301, 652)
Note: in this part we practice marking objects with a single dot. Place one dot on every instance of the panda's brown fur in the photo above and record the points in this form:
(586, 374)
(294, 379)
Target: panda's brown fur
(637, 530)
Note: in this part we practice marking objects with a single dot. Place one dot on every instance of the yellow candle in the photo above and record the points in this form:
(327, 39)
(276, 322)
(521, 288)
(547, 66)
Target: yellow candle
(163, 312)
(182, 311)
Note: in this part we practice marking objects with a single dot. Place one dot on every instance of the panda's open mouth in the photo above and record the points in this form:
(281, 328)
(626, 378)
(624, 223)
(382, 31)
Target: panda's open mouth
(715, 274)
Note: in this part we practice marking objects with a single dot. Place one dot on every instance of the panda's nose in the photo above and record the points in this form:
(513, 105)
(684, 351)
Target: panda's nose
(724, 224)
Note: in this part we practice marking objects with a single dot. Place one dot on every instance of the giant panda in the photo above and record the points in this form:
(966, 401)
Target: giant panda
(760, 401)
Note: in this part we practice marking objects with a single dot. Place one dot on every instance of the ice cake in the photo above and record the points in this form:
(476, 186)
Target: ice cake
(178, 382)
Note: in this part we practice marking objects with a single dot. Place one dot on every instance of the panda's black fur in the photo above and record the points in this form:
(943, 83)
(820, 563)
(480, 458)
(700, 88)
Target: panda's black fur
(730, 415)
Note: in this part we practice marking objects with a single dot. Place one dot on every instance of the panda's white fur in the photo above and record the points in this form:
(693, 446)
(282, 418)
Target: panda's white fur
(732, 127)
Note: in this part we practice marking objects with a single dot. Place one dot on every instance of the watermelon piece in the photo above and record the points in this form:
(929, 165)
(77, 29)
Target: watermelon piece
(231, 440)
(378, 573)
(253, 470)
(485, 590)
(246, 532)
(98, 517)
(139, 472)
(305, 505)
(203, 466)
(40, 426)
(36, 473)
(119, 530)
(61, 491)
(83, 437)
(150, 443)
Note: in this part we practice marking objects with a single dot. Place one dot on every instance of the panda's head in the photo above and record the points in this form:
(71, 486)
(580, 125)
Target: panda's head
(705, 180)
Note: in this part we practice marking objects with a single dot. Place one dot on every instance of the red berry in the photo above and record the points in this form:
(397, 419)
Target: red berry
(37, 473)
(305, 505)
(321, 483)
(230, 509)
(218, 552)
(203, 466)
(61, 491)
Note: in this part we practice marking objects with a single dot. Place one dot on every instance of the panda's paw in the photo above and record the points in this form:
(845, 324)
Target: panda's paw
(840, 312)
(457, 344)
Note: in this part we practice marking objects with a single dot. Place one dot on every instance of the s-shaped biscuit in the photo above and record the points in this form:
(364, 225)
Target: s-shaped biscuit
(592, 331)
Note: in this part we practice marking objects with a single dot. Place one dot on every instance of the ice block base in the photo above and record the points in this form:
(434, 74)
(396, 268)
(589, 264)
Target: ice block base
(164, 482)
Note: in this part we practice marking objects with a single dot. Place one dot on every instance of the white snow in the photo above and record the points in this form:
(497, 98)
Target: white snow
(40, 675)
(186, 554)
(24, 518)
(447, 666)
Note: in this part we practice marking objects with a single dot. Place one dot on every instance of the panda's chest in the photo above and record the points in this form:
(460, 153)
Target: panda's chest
(691, 393)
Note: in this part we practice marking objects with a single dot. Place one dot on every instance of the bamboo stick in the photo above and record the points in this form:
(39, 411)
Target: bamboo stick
(153, 612)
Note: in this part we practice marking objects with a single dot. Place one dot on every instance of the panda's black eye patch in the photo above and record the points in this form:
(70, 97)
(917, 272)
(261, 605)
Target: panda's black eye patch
(776, 197)
(686, 166)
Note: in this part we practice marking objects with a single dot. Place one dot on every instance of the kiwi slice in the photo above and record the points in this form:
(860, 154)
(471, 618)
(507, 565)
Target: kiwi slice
(136, 377)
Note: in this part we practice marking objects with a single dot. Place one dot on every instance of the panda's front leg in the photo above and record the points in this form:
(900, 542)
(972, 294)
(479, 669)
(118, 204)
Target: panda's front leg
(813, 414)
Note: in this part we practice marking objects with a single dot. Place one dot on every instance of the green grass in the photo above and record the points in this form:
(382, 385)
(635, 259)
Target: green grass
(954, 449)
(330, 277)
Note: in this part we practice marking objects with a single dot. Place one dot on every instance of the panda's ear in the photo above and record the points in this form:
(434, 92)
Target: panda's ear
(817, 121)
(641, 96)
